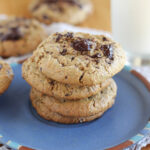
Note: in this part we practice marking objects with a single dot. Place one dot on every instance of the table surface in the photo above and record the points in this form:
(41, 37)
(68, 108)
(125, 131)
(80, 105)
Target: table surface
(100, 19)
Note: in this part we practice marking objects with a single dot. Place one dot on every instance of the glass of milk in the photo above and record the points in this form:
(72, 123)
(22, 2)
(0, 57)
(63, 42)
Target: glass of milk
(131, 28)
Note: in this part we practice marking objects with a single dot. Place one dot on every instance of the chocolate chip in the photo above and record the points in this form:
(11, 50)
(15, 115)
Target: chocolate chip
(66, 77)
(45, 17)
(69, 35)
(52, 82)
(1, 66)
(63, 52)
(72, 58)
(97, 55)
(97, 61)
(81, 77)
(107, 51)
(59, 36)
(13, 34)
(104, 39)
(82, 44)
(67, 94)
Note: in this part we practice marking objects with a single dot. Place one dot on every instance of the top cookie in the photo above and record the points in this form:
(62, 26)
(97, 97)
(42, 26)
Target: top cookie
(79, 58)
(19, 36)
(70, 11)
(6, 76)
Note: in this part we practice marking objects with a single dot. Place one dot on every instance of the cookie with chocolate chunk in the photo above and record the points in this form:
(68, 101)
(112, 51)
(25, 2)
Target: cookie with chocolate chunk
(79, 58)
(56, 89)
(19, 36)
(69, 11)
(6, 76)
(80, 108)
(77, 111)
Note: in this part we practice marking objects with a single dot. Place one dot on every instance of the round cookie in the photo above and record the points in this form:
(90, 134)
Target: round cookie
(56, 89)
(19, 36)
(47, 114)
(79, 58)
(6, 76)
(81, 108)
(69, 11)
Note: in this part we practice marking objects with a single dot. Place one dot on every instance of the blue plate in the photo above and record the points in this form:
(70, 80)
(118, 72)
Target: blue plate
(125, 124)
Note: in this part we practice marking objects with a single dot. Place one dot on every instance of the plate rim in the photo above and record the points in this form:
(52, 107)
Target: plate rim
(130, 143)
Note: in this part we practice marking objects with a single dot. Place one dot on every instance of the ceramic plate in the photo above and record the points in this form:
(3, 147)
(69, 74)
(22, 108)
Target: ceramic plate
(124, 125)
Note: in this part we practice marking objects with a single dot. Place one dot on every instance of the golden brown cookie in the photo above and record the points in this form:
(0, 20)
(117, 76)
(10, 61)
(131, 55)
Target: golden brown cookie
(56, 89)
(6, 76)
(81, 108)
(19, 36)
(47, 114)
(79, 58)
(69, 11)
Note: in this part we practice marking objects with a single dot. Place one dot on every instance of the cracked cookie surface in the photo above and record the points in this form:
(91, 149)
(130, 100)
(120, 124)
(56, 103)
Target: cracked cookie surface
(6, 76)
(19, 36)
(81, 108)
(56, 89)
(69, 11)
(79, 58)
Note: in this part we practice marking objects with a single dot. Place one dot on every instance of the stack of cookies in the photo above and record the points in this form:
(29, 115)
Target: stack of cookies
(70, 75)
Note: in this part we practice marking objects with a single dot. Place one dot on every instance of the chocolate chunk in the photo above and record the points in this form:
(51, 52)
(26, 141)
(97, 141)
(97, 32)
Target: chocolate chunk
(59, 36)
(104, 39)
(107, 51)
(97, 55)
(52, 83)
(72, 58)
(63, 52)
(45, 17)
(67, 94)
(13, 34)
(82, 44)
(69, 35)
(1, 66)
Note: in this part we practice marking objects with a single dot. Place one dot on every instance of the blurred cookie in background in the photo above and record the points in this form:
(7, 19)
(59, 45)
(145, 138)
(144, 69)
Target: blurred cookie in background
(6, 76)
(19, 36)
(69, 11)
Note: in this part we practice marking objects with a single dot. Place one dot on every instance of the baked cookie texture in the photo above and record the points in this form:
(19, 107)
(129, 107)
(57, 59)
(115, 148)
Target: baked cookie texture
(6, 76)
(69, 11)
(79, 58)
(81, 108)
(45, 85)
(19, 36)
(70, 75)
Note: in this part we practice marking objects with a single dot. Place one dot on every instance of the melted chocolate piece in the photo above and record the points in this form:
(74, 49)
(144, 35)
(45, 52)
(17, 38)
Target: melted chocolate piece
(107, 51)
(82, 44)
(97, 55)
(59, 36)
(1, 66)
(63, 52)
(13, 34)
(104, 39)
(69, 35)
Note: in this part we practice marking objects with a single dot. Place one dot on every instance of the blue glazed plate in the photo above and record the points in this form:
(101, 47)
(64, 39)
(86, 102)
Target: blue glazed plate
(124, 125)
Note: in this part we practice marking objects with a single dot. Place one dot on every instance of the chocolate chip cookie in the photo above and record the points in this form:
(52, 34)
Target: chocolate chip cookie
(81, 108)
(19, 36)
(56, 89)
(69, 11)
(6, 76)
(79, 58)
